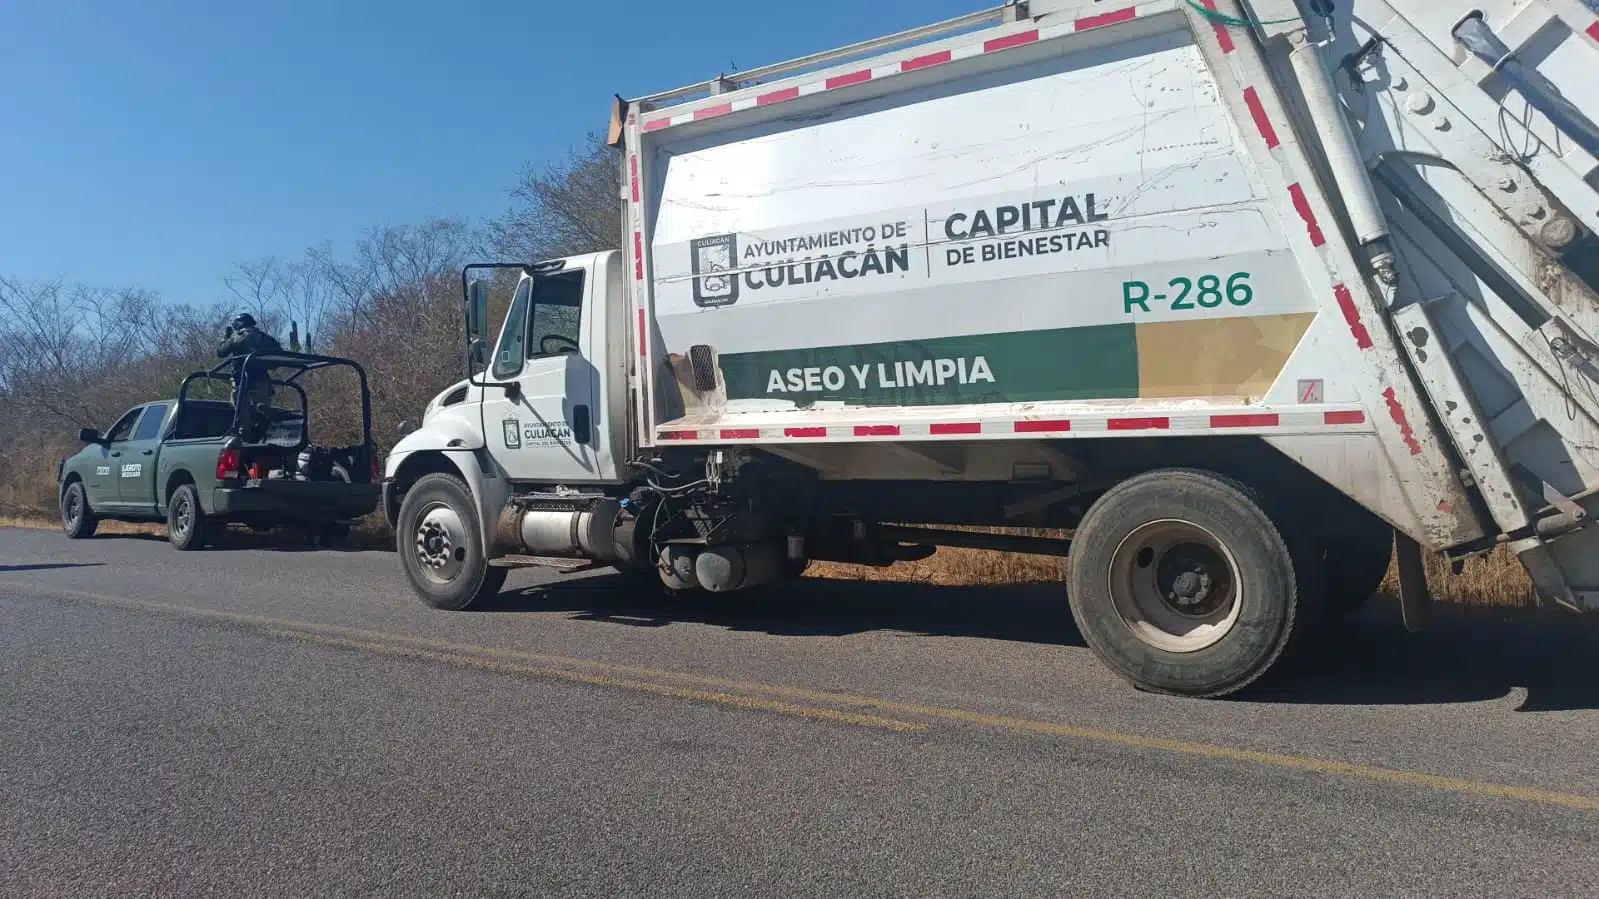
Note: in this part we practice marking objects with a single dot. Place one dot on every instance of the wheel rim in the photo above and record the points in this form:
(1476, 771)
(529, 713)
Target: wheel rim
(182, 517)
(1175, 585)
(441, 543)
(74, 507)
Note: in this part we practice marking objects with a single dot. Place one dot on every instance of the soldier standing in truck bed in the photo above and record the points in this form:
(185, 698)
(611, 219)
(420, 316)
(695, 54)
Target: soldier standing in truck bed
(242, 339)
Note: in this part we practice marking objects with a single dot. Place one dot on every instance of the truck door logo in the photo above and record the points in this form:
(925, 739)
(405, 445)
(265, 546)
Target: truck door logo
(713, 260)
(513, 433)
(132, 469)
(102, 469)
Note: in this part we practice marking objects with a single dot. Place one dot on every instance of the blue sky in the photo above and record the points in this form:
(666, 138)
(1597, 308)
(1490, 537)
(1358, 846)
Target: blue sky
(157, 143)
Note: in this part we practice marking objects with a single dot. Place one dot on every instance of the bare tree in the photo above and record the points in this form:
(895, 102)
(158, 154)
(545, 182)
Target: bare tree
(567, 207)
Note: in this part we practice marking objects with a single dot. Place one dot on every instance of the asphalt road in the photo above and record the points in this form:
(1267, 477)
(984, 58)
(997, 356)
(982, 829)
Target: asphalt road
(246, 722)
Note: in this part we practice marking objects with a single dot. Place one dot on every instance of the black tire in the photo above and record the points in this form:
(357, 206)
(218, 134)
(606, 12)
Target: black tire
(78, 521)
(1182, 583)
(454, 575)
(1356, 562)
(186, 523)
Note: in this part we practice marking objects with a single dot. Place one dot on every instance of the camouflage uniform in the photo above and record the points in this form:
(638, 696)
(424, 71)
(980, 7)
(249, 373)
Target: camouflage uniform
(243, 340)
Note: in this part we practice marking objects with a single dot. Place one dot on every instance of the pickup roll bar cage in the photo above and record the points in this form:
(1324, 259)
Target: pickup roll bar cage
(301, 363)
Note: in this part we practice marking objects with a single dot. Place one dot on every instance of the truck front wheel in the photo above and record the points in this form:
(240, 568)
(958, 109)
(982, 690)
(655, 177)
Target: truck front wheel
(78, 521)
(1182, 583)
(441, 545)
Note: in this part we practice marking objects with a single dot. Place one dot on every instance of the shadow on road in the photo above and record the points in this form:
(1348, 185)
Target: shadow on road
(1469, 655)
(816, 607)
(48, 566)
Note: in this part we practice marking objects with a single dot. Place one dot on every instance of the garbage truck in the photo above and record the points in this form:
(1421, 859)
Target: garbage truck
(1239, 300)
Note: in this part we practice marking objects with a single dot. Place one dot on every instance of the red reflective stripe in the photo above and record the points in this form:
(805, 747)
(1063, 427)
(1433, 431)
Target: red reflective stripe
(657, 124)
(957, 427)
(1262, 121)
(851, 78)
(787, 93)
(1346, 305)
(741, 433)
(1397, 413)
(804, 432)
(1109, 18)
(711, 112)
(922, 62)
(1138, 424)
(1345, 418)
(1593, 31)
(1259, 420)
(1010, 40)
(638, 255)
(1302, 206)
(632, 165)
(1034, 427)
(643, 335)
(1223, 37)
(680, 435)
(877, 430)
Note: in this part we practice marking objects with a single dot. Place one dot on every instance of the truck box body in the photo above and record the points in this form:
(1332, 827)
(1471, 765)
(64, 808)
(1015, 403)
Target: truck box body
(1072, 228)
(982, 236)
(1097, 222)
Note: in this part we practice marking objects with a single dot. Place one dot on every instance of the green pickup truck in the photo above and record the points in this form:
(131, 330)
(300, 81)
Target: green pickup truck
(198, 464)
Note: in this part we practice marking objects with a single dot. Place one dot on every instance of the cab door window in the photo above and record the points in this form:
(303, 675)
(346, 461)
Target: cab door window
(557, 315)
(150, 425)
(120, 431)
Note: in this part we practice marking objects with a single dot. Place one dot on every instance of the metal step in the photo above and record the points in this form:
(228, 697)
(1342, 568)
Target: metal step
(565, 566)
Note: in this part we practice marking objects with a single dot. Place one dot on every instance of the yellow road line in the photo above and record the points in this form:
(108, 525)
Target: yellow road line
(552, 665)
(464, 660)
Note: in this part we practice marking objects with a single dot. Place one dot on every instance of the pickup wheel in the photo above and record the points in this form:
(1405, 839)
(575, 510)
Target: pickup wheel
(78, 521)
(186, 524)
(441, 545)
(1182, 583)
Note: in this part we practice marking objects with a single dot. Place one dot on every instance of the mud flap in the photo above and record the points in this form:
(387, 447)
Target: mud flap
(1415, 603)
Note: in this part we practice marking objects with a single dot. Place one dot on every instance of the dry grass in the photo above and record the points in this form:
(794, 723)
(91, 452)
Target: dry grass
(1493, 580)
(39, 522)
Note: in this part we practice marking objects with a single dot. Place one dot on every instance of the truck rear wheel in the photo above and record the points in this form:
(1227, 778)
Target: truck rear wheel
(186, 525)
(78, 521)
(1182, 583)
(441, 545)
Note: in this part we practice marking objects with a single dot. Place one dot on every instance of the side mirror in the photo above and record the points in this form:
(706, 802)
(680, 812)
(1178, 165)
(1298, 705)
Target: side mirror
(477, 310)
(405, 428)
(478, 352)
(89, 435)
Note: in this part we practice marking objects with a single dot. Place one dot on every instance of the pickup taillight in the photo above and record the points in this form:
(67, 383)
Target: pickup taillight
(228, 463)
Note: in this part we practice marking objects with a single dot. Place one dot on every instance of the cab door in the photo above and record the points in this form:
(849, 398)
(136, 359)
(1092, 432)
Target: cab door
(540, 426)
(136, 476)
(104, 471)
